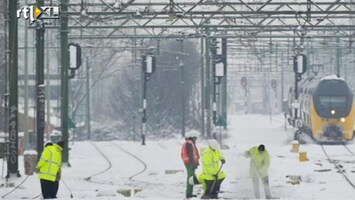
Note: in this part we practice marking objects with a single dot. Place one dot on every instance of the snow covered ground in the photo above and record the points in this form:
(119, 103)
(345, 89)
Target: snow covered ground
(146, 171)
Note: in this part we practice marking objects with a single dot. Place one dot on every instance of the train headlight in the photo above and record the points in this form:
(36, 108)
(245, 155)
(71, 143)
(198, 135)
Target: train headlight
(342, 119)
(333, 112)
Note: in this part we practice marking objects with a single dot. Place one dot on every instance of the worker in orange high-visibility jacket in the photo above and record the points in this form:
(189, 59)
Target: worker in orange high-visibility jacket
(259, 167)
(49, 169)
(190, 156)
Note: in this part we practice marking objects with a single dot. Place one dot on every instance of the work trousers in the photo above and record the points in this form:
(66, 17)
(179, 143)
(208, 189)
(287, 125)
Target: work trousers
(265, 182)
(49, 189)
(190, 168)
(212, 189)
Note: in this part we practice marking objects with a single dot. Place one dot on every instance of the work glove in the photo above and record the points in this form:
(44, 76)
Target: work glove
(37, 170)
(215, 176)
(223, 161)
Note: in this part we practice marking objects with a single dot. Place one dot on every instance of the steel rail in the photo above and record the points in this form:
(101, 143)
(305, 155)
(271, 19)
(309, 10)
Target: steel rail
(107, 160)
(338, 167)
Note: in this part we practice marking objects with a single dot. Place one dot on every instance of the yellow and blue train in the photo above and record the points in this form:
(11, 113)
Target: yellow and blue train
(326, 108)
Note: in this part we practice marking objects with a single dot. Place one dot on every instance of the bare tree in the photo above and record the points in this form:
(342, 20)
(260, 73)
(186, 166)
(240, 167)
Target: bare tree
(103, 66)
(163, 92)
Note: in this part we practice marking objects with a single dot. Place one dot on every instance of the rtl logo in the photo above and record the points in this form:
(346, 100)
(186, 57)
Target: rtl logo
(34, 13)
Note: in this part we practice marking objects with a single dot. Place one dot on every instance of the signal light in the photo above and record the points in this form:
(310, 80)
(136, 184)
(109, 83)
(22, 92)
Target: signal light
(74, 56)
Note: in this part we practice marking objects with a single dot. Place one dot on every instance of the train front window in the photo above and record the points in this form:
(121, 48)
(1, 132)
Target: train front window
(332, 101)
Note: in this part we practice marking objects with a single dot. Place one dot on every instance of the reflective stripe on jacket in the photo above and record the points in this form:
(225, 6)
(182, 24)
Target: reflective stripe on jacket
(211, 165)
(192, 156)
(50, 162)
(259, 162)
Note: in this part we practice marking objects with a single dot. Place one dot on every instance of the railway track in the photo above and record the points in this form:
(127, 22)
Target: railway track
(349, 150)
(131, 178)
(339, 163)
(104, 170)
(137, 158)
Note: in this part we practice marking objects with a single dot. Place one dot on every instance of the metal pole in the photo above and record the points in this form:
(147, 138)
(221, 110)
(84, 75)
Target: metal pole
(5, 83)
(296, 88)
(224, 81)
(214, 85)
(269, 94)
(308, 61)
(88, 111)
(25, 122)
(181, 63)
(338, 57)
(144, 100)
(48, 92)
(296, 98)
(40, 88)
(208, 85)
(275, 89)
(134, 47)
(203, 103)
(64, 76)
(282, 80)
(13, 100)
(48, 85)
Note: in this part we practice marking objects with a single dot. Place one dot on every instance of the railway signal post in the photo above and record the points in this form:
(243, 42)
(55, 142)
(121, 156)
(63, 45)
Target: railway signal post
(148, 65)
(299, 68)
(218, 51)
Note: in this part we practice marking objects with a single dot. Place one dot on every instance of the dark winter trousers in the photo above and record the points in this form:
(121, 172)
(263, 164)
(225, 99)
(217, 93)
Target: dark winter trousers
(213, 187)
(190, 168)
(49, 189)
(265, 181)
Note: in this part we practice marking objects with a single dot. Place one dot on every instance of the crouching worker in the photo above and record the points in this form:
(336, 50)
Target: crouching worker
(259, 166)
(212, 175)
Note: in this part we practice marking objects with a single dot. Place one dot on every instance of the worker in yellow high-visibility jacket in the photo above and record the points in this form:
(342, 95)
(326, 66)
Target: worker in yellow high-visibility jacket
(49, 169)
(259, 167)
(212, 175)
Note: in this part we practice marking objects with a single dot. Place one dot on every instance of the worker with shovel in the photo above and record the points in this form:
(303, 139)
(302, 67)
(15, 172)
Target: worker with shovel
(259, 167)
(212, 175)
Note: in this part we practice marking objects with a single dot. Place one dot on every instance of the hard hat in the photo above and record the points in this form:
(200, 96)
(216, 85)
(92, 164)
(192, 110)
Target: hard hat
(192, 134)
(213, 144)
